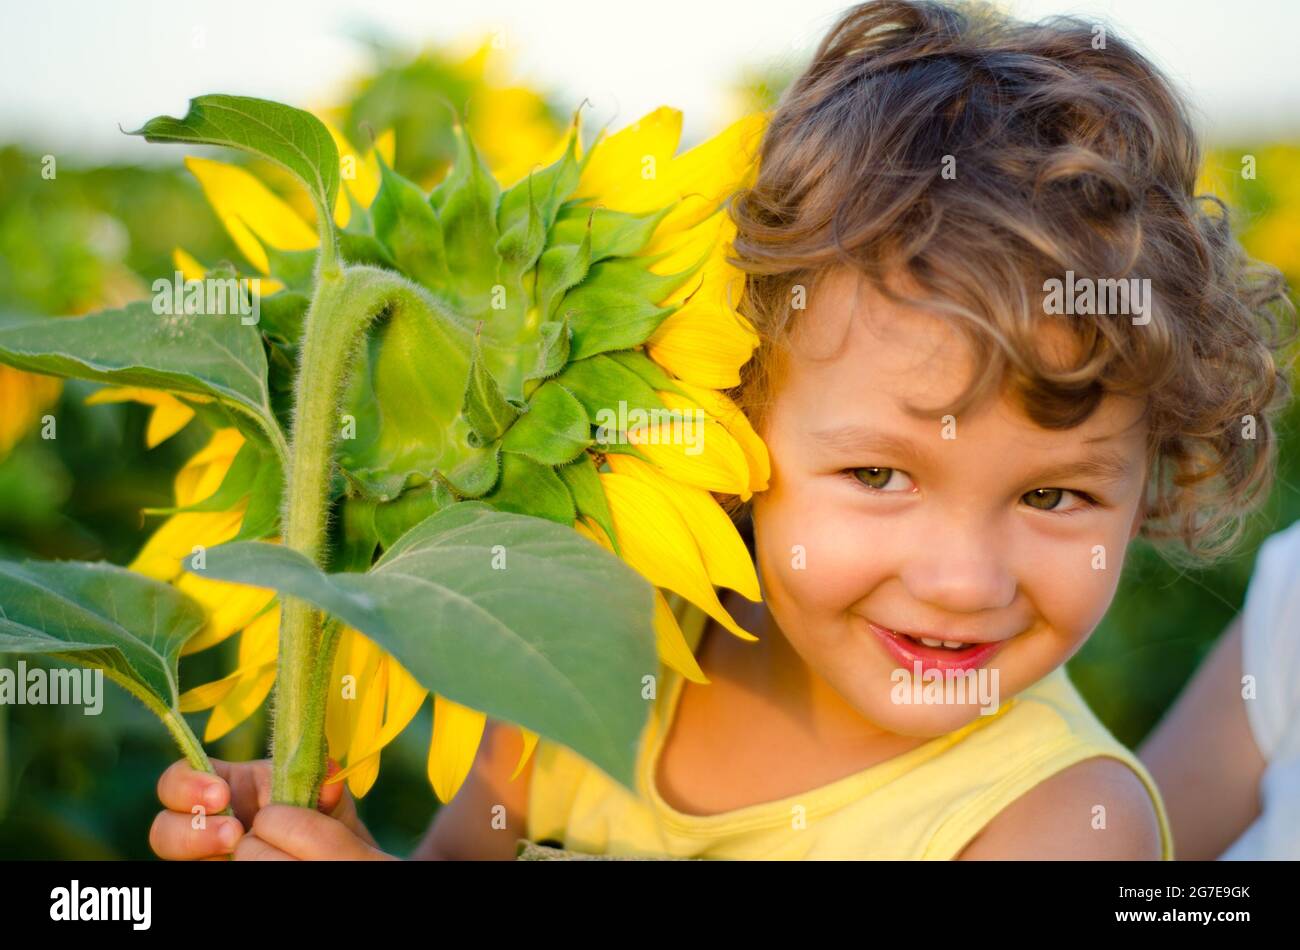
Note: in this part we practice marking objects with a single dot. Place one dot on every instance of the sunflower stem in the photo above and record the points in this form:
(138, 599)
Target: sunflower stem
(343, 305)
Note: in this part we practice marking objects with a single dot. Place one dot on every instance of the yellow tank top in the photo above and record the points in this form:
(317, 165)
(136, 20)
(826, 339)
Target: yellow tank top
(929, 802)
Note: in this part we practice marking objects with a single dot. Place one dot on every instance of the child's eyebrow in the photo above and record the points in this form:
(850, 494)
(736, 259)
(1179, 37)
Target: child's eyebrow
(1104, 464)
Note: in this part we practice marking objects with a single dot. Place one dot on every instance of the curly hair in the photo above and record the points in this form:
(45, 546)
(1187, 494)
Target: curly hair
(982, 157)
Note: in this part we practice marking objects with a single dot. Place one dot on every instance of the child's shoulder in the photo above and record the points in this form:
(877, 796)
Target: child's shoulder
(1096, 809)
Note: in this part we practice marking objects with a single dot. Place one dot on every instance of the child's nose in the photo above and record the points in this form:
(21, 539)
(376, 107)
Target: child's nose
(959, 571)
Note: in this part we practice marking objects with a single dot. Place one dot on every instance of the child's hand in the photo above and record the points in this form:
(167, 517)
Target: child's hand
(246, 788)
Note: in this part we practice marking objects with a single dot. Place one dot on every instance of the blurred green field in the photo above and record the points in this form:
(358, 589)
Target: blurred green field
(75, 786)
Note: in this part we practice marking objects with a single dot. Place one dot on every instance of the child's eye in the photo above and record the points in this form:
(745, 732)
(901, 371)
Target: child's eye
(1050, 499)
(880, 479)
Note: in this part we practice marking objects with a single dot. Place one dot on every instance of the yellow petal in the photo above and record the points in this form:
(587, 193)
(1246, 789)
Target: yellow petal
(624, 165)
(209, 694)
(693, 448)
(369, 722)
(386, 146)
(230, 608)
(190, 268)
(530, 743)
(712, 170)
(457, 731)
(179, 535)
(251, 212)
(240, 703)
(657, 542)
(725, 556)
(203, 474)
(721, 407)
(405, 697)
(169, 416)
(707, 340)
(24, 397)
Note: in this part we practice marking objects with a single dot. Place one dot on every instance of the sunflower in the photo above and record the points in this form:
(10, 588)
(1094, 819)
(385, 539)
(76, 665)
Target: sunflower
(650, 232)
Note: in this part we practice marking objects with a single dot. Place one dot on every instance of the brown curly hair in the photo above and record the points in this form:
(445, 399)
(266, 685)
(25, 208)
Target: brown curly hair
(1069, 155)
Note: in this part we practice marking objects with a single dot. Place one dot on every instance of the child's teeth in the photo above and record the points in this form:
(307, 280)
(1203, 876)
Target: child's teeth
(950, 644)
(932, 643)
(953, 644)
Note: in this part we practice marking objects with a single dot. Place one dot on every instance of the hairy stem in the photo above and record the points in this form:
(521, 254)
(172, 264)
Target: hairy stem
(344, 304)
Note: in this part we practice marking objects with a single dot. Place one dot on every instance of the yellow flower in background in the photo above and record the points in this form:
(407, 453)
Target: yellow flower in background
(25, 397)
(669, 526)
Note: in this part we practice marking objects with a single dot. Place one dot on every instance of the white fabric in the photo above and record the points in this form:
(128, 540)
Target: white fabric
(1270, 652)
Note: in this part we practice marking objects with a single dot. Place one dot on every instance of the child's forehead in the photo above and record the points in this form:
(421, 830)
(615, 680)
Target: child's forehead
(855, 354)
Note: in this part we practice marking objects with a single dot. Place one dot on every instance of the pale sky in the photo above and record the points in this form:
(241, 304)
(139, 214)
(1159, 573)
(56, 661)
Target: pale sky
(73, 71)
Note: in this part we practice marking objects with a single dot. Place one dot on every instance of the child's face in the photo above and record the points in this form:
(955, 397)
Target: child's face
(992, 531)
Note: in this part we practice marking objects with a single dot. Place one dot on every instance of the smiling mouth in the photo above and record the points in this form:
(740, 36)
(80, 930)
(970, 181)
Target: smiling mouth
(934, 653)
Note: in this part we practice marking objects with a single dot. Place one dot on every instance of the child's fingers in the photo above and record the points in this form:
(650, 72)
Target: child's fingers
(331, 794)
(310, 836)
(181, 787)
(253, 848)
(173, 836)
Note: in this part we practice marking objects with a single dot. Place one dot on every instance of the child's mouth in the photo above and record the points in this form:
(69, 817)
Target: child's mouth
(932, 653)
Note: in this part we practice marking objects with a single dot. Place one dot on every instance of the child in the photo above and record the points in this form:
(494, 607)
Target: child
(1000, 338)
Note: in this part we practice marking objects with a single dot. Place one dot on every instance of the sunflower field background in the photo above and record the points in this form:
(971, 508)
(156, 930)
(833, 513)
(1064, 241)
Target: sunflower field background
(73, 786)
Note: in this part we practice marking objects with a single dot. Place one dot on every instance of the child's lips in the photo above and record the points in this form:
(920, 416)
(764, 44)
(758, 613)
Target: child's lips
(909, 652)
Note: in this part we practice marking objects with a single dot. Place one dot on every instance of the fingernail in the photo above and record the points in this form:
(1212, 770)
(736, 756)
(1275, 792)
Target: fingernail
(228, 835)
(213, 796)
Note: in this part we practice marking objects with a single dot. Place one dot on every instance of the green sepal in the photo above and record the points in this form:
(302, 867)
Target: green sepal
(554, 430)
(283, 315)
(583, 481)
(489, 413)
(529, 488)
(466, 202)
(407, 225)
(394, 518)
(613, 233)
(561, 268)
(475, 476)
(600, 383)
(553, 349)
(650, 371)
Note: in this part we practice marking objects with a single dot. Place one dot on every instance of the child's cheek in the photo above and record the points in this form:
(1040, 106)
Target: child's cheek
(1072, 585)
(811, 556)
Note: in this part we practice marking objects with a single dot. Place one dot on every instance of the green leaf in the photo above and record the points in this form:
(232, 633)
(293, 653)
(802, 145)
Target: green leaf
(99, 615)
(408, 226)
(557, 637)
(282, 134)
(210, 354)
(485, 405)
(553, 430)
(588, 497)
(530, 488)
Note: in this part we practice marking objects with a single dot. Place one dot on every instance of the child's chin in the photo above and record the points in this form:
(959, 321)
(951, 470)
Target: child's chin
(926, 720)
